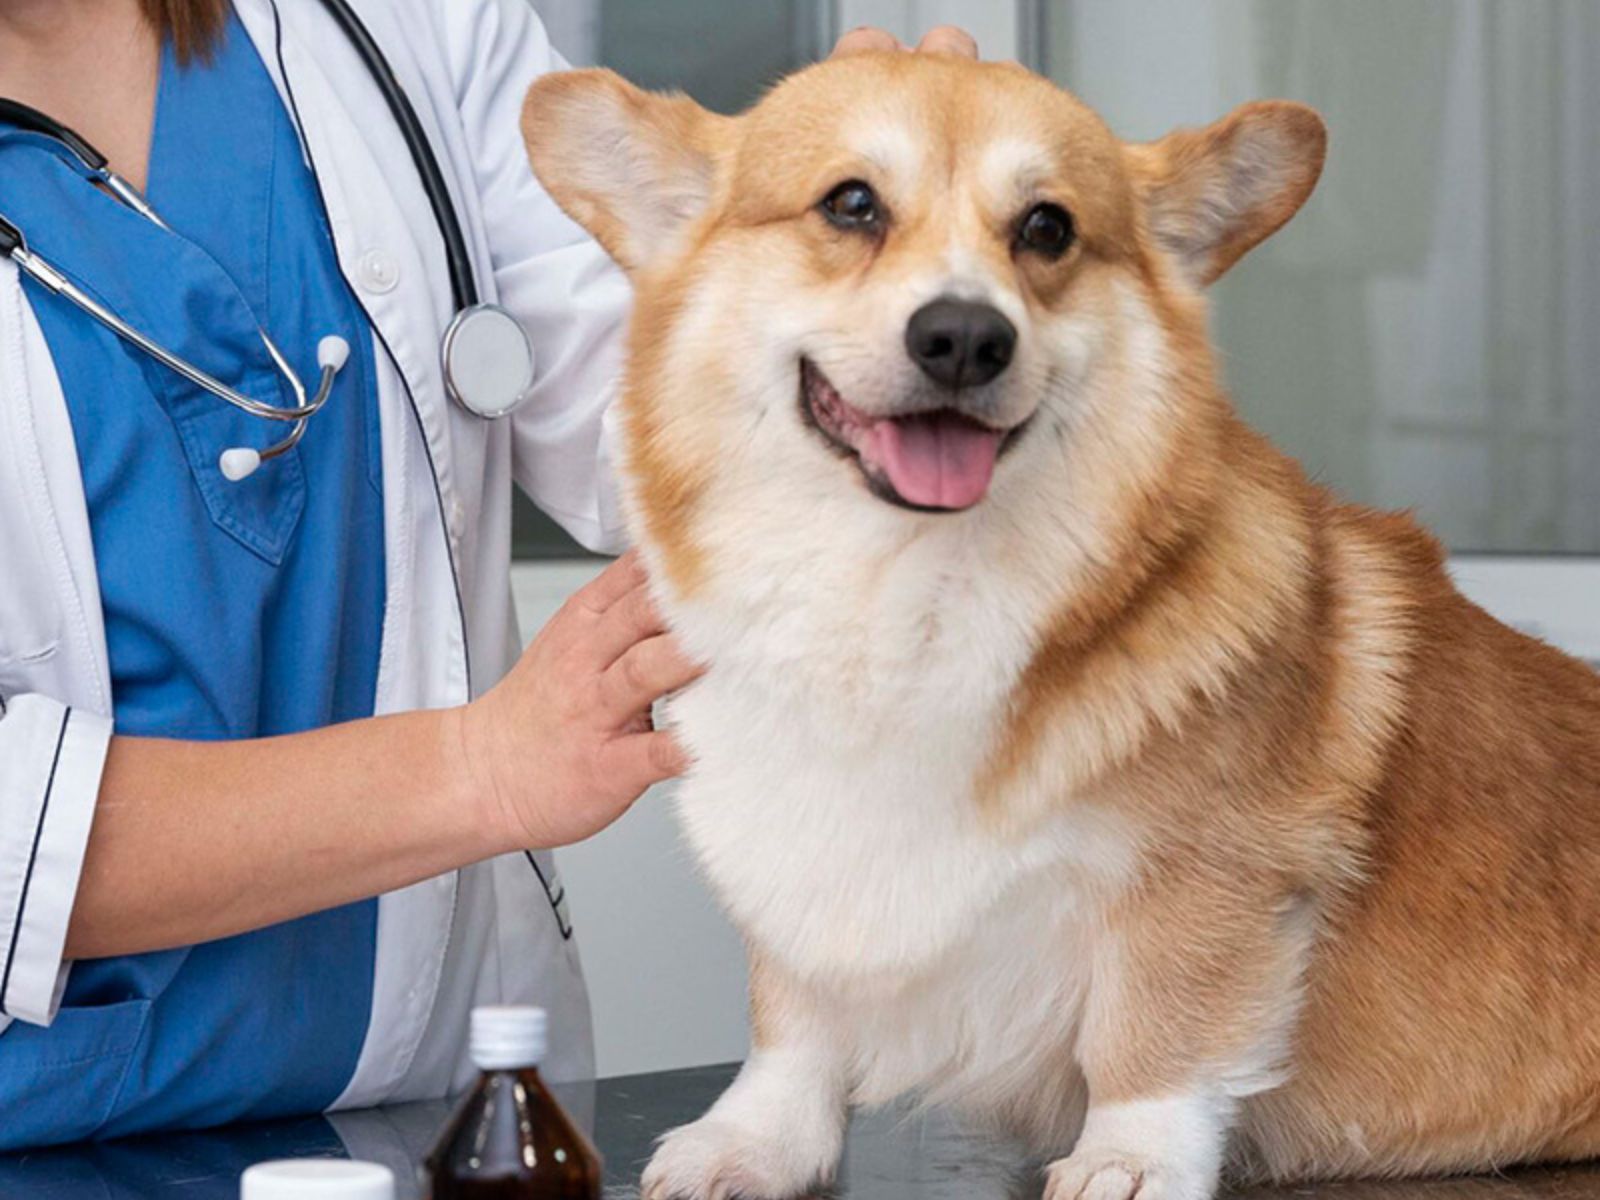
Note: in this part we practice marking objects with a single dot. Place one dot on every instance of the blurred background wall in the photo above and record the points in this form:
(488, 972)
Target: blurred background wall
(1425, 334)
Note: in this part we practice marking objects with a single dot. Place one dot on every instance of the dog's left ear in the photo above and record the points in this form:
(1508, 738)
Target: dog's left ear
(1211, 194)
(634, 168)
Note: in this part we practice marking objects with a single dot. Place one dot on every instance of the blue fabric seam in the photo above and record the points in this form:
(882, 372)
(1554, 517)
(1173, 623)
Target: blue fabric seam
(267, 251)
(134, 1044)
(84, 1060)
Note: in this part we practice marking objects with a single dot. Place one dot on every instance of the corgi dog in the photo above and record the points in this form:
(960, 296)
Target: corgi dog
(1064, 755)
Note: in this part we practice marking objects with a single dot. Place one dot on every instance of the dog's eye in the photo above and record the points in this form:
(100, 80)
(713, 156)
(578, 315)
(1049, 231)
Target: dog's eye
(851, 205)
(1046, 228)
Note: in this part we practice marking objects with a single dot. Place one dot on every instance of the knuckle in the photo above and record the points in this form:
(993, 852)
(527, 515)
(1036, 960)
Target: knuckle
(865, 37)
(634, 676)
(639, 607)
(579, 604)
(953, 38)
(627, 612)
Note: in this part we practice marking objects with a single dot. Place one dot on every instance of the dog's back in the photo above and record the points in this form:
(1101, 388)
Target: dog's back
(1450, 1013)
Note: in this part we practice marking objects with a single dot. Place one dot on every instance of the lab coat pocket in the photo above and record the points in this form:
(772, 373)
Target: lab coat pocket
(58, 1084)
(30, 609)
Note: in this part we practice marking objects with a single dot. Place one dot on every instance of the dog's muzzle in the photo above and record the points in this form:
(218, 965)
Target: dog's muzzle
(935, 460)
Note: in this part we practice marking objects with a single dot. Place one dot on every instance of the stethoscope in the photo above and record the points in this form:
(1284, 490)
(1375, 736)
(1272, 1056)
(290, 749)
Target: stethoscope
(486, 356)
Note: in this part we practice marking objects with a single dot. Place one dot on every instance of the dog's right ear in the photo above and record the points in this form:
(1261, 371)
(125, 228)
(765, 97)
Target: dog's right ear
(634, 168)
(1211, 194)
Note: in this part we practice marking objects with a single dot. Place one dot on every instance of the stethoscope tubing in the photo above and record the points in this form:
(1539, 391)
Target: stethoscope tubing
(463, 285)
(52, 279)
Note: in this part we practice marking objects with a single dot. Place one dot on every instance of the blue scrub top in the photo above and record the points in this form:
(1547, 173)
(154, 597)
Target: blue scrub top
(232, 610)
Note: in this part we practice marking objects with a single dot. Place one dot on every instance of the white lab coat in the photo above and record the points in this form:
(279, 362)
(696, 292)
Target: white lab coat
(491, 932)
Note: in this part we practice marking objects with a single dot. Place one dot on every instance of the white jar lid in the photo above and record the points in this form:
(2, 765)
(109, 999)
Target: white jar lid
(507, 1036)
(317, 1179)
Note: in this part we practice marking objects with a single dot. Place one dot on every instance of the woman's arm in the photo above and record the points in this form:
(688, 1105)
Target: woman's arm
(198, 840)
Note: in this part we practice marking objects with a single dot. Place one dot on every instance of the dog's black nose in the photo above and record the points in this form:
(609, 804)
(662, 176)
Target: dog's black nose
(960, 343)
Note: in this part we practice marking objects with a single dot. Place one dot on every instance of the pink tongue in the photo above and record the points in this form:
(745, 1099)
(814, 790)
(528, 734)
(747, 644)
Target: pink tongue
(938, 460)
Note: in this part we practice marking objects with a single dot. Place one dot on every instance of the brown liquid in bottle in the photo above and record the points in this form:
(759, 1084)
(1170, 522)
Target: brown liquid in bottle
(510, 1140)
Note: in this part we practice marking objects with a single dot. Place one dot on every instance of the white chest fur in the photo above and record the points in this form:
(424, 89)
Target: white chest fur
(837, 737)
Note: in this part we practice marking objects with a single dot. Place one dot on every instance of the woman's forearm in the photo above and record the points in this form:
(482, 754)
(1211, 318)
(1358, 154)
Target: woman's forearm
(199, 840)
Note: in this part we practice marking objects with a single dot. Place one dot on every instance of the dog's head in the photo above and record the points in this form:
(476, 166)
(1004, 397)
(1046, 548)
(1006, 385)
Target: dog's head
(908, 279)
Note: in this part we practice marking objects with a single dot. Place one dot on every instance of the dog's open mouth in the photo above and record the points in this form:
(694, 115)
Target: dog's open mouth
(939, 461)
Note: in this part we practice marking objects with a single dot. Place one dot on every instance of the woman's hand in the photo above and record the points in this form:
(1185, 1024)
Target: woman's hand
(941, 39)
(200, 840)
(563, 745)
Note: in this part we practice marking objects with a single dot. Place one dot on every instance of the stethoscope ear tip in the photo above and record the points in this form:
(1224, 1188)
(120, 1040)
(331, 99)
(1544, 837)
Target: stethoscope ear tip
(239, 462)
(332, 352)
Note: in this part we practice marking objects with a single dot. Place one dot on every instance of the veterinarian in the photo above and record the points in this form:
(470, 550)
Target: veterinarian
(276, 791)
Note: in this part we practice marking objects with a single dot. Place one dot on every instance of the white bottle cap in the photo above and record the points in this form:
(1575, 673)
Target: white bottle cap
(317, 1179)
(507, 1036)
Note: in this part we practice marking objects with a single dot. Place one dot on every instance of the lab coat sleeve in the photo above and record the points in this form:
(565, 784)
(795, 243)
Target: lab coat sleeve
(51, 757)
(548, 271)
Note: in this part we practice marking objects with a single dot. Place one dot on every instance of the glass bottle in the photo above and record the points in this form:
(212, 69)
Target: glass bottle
(509, 1139)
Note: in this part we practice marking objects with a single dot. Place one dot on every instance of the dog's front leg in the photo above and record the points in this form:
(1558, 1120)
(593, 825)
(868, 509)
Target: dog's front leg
(1195, 993)
(779, 1128)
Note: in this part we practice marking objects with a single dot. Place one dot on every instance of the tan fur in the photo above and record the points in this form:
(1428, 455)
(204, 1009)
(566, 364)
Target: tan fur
(1367, 815)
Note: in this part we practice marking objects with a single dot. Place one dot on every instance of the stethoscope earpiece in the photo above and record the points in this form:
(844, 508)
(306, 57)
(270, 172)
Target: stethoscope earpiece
(239, 462)
(332, 353)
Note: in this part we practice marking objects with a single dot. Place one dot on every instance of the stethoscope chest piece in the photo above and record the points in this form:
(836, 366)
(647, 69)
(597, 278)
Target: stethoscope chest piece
(488, 361)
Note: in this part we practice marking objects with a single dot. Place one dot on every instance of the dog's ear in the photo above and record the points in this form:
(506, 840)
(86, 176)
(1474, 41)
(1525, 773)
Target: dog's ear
(1211, 194)
(632, 167)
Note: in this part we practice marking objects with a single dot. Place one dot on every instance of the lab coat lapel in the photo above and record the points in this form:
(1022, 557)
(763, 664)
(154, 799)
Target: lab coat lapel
(54, 637)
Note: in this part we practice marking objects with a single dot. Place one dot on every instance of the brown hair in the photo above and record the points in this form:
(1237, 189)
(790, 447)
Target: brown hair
(193, 25)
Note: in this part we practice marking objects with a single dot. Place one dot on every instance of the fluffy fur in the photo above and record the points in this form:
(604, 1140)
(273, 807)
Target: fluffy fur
(1160, 808)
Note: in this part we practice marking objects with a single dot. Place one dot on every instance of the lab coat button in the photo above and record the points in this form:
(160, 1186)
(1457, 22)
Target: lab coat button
(378, 271)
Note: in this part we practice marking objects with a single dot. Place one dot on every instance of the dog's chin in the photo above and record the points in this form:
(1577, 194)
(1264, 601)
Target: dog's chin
(937, 460)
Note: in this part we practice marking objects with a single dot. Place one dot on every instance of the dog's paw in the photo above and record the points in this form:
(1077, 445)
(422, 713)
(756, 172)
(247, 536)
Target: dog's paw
(717, 1160)
(1093, 1174)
